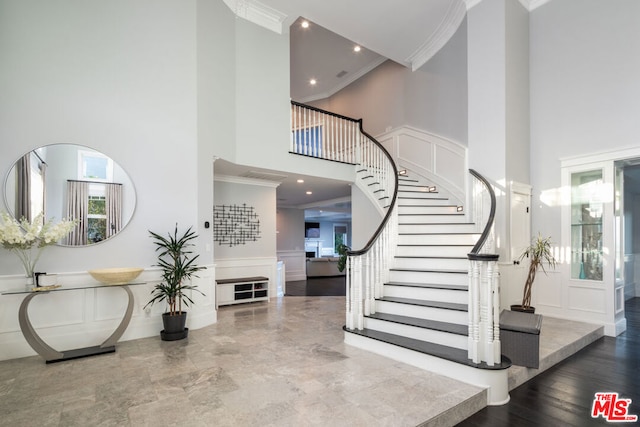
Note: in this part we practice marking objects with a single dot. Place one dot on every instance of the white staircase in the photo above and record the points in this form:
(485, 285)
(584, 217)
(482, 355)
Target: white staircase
(424, 289)
(421, 316)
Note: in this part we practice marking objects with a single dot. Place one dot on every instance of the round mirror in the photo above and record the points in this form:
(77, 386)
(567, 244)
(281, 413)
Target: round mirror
(71, 181)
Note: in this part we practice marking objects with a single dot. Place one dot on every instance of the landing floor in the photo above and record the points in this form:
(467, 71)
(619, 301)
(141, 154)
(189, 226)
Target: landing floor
(281, 363)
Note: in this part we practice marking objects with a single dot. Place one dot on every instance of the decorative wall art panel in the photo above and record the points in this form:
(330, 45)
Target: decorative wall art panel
(235, 225)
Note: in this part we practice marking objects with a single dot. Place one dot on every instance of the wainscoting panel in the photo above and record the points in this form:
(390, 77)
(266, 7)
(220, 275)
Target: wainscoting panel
(442, 161)
(587, 299)
(295, 265)
(78, 318)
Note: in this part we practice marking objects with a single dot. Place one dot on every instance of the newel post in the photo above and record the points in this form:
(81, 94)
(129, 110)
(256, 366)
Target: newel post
(484, 309)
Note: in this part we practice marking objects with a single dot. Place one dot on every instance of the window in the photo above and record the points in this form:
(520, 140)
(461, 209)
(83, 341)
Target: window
(339, 236)
(308, 141)
(586, 225)
(94, 166)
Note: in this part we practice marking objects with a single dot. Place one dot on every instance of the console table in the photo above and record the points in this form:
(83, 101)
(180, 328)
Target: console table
(51, 355)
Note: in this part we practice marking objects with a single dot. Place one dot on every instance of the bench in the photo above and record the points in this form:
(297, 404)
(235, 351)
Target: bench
(520, 337)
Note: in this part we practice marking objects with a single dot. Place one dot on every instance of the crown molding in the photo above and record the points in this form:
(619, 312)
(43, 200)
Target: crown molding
(534, 4)
(246, 181)
(527, 4)
(447, 28)
(258, 13)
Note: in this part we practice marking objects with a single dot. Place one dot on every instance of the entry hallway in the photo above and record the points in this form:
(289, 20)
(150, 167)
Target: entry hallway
(281, 363)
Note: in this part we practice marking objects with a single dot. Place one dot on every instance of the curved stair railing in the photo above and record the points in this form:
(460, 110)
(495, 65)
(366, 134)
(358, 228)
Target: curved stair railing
(484, 289)
(322, 134)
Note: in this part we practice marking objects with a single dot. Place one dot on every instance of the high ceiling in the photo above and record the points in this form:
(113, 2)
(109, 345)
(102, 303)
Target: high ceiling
(407, 32)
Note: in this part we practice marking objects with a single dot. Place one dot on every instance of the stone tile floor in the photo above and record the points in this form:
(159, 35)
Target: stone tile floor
(281, 363)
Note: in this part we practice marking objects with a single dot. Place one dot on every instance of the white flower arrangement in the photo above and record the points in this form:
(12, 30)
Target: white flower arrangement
(28, 239)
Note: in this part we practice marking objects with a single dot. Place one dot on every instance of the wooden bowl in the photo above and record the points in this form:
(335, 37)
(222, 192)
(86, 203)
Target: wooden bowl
(116, 276)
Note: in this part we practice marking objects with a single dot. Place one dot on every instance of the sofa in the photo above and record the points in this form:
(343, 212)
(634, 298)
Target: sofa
(323, 267)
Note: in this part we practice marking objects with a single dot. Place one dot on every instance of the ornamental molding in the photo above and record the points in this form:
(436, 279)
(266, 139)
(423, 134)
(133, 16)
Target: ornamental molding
(447, 28)
(259, 13)
(528, 4)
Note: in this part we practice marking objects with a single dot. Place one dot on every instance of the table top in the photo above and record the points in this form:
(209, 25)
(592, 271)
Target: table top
(65, 288)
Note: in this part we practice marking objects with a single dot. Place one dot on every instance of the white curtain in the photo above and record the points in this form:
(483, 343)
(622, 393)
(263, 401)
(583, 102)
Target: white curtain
(78, 208)
(113, 194)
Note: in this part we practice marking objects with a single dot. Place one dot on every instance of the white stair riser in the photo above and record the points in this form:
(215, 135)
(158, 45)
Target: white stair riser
(428, 277)
(426, 294)
(431, 313)
(437, 239)
(437, 228)
(437, 263)
(430, 219)
(416, 187)
(414, 332)
(402, 201)
(419, 195)
(427, 210)
(457, 251)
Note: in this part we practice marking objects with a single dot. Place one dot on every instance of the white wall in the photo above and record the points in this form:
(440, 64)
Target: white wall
(254, 258)
(290, 242)
(263, 199)
(290, 222)
(433, 98)
(365, 218)
(585, 91)
(585, 100)
(119, 77)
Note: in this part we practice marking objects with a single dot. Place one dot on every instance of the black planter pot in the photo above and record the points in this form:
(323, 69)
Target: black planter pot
(520, 308)
(174, 326)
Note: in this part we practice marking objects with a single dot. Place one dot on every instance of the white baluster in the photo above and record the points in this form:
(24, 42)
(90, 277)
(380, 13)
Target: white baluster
(474, 311)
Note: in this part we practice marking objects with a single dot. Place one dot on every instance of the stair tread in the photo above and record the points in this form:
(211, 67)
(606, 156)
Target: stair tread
(430, 285)
(425, 303)
(450, 233)
(434, 206)
(426, 214)
(442, 351)
(422, 198)
(453, 328)
(438, 244)
(430, 257)
(431, 270)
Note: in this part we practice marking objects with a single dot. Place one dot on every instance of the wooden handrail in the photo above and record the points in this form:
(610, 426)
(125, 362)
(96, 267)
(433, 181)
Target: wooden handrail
(387, 216)
(394, 197)
(492, 214)
(328, 113)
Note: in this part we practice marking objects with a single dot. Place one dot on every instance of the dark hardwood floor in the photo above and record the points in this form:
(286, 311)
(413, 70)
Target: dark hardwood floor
(317, 286)
(564, 394)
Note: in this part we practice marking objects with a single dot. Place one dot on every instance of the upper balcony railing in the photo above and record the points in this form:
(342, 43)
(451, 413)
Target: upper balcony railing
(330, 136)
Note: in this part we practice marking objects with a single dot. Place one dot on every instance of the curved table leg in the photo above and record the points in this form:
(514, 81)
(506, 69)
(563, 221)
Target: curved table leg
(113, 339)
(30, 334)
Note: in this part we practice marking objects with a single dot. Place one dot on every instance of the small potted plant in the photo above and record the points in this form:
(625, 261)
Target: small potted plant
(539, 254)
(178, 267)
(342, 260)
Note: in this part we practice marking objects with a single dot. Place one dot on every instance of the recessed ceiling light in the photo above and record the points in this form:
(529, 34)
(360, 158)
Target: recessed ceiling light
(300, 181)
(309, 192)
(304, 24)
(356, 48)
(312, 82)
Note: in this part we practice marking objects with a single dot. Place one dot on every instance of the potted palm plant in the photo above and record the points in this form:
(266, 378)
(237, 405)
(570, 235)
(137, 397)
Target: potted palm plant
(178, 267)
(539, 254)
